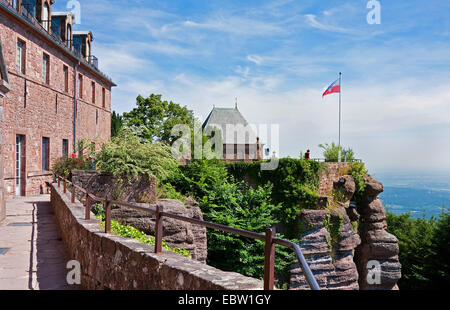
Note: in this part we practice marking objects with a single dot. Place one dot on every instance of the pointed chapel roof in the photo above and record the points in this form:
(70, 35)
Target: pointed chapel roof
(221, 117)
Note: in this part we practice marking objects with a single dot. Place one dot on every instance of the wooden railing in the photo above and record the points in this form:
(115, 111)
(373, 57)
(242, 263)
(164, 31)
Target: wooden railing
(157, 209)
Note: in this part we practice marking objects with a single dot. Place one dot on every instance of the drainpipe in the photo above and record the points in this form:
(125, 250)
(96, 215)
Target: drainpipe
(75, 108)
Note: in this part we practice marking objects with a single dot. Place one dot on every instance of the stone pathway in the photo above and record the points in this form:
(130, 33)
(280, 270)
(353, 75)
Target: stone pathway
(35, 258)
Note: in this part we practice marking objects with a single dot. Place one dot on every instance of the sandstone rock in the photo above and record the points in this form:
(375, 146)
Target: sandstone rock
(373, 187)
(177, 234)
(380, 236)
(313, 218)
(332, 270)
(377, 245)
(346, 185)
(352, 214)
(376, 225)
(315, 241)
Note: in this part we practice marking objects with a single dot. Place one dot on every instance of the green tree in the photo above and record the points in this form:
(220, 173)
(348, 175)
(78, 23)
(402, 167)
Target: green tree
(231, 203)
(330, 152)
(153, 118)
(424, 250)
(116, 123)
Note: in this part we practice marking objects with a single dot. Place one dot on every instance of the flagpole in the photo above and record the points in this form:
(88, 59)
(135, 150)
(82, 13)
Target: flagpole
(340, 91)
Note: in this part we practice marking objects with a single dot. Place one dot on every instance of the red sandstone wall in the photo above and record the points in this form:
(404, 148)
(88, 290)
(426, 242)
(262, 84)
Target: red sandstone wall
(36, 110)
(2, 197)
(113, 262)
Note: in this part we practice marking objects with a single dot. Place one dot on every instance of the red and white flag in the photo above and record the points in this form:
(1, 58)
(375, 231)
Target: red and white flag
(334, 88)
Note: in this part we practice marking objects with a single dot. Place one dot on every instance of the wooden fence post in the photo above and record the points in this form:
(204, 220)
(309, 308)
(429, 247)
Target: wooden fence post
(107, 216)
(73, 193)
(88, 207)
(158, 229)
(269, 260)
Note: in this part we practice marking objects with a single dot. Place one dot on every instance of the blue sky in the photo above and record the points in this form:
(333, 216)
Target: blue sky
(278, 56)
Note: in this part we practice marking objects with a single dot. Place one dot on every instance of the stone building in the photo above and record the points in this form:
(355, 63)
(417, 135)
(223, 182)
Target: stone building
(4, 88)
(238, 138)
(52, 93)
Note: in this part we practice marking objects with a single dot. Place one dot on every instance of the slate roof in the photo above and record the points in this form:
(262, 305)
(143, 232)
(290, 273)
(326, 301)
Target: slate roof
(221, 117)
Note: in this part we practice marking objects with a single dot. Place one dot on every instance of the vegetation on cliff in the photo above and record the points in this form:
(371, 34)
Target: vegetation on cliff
(294, 184)
(226, 201)
(424, 250)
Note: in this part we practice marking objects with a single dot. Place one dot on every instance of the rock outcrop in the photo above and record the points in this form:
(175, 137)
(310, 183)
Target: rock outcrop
(346, 243)
(377, 255)
(177, 234)
(329, 242)
(331, 261)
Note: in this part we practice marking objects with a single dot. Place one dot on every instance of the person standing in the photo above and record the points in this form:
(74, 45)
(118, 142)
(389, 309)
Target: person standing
(308, 155)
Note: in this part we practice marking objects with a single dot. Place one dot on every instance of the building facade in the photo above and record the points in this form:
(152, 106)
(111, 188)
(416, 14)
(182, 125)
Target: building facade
(56, 93)
(4, 89)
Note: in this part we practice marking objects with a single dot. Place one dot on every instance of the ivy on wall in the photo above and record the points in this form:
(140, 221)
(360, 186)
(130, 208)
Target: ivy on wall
(295, 186)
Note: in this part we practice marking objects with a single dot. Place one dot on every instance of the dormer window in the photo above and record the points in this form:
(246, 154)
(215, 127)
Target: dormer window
(82, 42)
(88, 51)
(15, 4)
(46, 17)
(69, 36)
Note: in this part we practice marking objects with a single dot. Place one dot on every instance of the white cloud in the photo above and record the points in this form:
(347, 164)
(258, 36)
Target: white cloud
(312, 21)
(236, 25)
(255, 59)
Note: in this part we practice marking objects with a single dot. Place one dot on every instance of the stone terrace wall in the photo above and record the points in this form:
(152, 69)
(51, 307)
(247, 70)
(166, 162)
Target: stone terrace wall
(177, 234)
(112, 262)
(330, 175)
(105, 185)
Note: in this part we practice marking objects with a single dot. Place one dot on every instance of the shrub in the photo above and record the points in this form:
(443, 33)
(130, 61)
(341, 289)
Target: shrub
(358, 171)
(128, 155)
(63, 167)
(331, 152)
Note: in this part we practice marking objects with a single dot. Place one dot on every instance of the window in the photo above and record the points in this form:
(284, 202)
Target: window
(46, 69)
(45, 154)
(96, 117)
(80, 86)
(65, 148)
(93, 92)
(69, 36)
(88, 52)
(15, 4)
(65, 79)
(20, 57)
(46, 17)
(103, 97)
